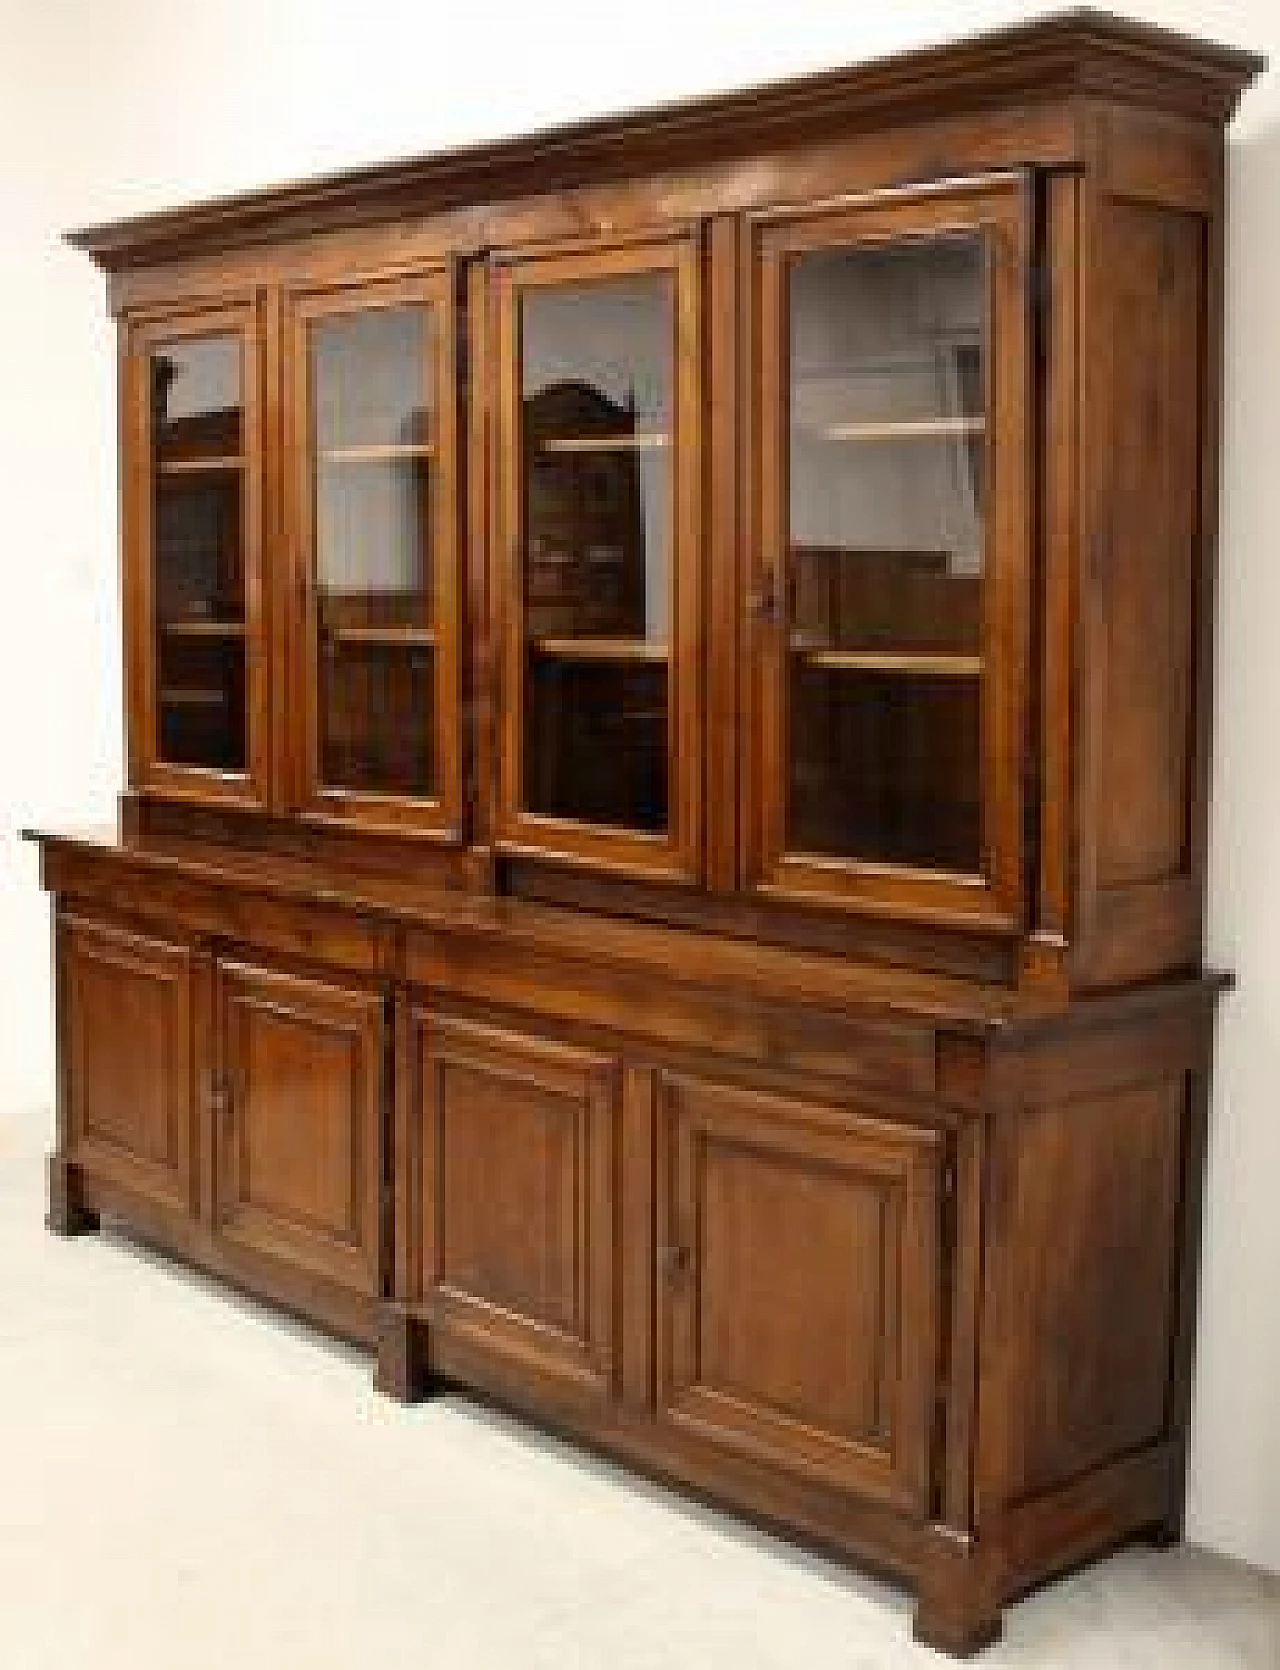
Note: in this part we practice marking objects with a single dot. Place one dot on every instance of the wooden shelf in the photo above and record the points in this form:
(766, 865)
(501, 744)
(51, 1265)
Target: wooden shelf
(904, 429)
(599, 649)
(929, 663)
(651, 442)
(392, 452)
(193, 697)
(223, 464)
(198, 627)
(383, 637)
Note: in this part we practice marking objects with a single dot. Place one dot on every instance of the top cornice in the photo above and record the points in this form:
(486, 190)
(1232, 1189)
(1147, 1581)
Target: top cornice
(1077, 52)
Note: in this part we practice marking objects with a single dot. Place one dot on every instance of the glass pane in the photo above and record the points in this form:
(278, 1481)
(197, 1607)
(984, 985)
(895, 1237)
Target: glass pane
(597, 379)
(197, 437)
(885, 551)
(373, 484)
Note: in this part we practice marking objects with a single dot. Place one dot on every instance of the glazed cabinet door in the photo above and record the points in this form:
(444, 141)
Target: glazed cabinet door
(371, 426)
(888, 552)
(596, 586)
(798, 1286)
(511, 1236)
(195, 619)
(125, 1058)
(297, 1112)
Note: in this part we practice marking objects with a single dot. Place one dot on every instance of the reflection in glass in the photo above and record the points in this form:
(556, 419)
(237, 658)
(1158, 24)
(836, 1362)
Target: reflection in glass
(371, 423)
(597, 450)
(197, 438)
(887, 426)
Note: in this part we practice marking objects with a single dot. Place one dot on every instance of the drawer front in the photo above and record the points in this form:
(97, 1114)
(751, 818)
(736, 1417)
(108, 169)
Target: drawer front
(798, 1285)
(512, 1234)
(686, 993)
(125, 1057)
(298, 1110)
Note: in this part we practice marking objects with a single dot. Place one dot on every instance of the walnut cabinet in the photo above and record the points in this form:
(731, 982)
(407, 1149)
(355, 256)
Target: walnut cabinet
(668, 673)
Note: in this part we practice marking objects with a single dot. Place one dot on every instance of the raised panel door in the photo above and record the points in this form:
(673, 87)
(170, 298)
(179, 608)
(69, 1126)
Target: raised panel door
(514, 1230)
(888, 556)
(298, 1115)
(126, 1057)
(193, 509)
(798, 1278)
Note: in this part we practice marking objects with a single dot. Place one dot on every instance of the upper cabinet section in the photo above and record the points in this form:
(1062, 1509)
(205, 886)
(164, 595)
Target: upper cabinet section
(193, 555)
(371, 421)
(770, 507)
(888, 591)
(597, 542)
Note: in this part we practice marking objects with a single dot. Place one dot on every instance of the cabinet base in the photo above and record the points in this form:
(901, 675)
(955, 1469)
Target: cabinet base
(67, 1213)
(402, 1369)
(958, 1610)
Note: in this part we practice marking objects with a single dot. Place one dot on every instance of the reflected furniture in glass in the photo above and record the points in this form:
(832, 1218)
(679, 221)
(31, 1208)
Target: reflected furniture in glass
(662, 875)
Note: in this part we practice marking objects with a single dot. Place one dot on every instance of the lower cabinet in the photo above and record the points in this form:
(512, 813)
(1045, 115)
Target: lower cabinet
(771, 1262)
(798, 1290)
(239, 1098)
(297, 1107)
(125, 1058)
(512, 1244)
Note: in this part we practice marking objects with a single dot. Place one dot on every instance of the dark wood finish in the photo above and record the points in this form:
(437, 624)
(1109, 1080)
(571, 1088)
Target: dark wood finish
(861, 1195)
(400, 1371)
(67, 1215)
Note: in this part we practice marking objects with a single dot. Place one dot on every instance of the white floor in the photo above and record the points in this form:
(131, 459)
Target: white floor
(188, 1481)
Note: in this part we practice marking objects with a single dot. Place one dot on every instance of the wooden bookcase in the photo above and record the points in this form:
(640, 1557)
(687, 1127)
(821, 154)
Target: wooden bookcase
(662, 874)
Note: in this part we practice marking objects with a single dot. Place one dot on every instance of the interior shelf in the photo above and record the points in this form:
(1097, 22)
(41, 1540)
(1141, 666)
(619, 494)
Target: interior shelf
(652, 441)
(904, 429)
(220, 464)
(391, 452)
(191, 696)
(197, 626)
(600, 649)
(931, 663)
(388, 637)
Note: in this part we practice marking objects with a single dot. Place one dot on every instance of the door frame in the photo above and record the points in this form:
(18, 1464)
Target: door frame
(998, 207)
(243, 316)
(677, 854)
(439, 817)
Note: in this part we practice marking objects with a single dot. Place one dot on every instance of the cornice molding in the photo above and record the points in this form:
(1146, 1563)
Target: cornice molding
(1077, 53)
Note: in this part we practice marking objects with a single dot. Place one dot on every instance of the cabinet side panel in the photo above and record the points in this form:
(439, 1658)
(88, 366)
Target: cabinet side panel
(1147, 375)
(1084, 1248)
(1145, 630)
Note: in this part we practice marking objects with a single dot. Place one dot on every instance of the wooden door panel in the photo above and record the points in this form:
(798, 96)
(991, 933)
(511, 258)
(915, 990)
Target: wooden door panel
(300, 1084)
(127, 1027)
(518, 1243)
(798, 1300)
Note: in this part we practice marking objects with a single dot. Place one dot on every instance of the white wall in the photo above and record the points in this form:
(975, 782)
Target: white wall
(107, 109)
